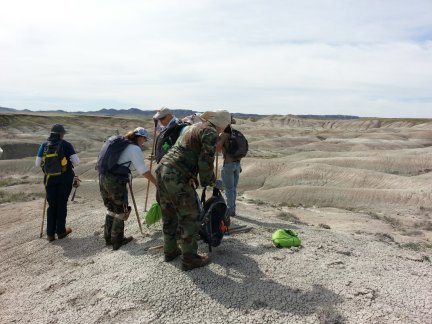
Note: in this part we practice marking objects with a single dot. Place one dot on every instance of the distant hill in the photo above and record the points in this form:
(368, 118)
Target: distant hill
(328, 116)
(149, 113)
(123, 112)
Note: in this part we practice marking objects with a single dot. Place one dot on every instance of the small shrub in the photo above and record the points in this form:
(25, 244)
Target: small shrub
(425, 225)
(373, 215)
(395, 223)
(412, 246)
(256, 202)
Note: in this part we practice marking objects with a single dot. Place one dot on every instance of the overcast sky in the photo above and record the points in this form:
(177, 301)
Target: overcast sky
(352, 57)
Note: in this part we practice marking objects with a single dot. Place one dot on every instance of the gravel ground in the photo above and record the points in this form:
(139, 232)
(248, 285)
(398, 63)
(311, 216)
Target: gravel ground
(335, 277)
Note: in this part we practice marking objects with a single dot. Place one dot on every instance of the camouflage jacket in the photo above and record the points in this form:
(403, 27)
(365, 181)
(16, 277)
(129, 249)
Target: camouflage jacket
(194, 153)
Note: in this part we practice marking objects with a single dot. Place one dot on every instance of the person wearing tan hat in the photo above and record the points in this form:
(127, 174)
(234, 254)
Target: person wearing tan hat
(165, 118)
(190, 158)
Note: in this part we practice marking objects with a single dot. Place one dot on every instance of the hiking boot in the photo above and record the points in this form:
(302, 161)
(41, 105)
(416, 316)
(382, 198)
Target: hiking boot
(230, 212)
(116, 244)
(192, 261)
(50, 238)
(171, 256)
(66, 233)
(108, 242)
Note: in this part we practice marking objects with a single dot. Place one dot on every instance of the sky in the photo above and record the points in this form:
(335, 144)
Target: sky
(365, 58)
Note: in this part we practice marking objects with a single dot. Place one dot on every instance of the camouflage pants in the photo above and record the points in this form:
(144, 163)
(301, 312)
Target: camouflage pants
(179, 207)
(115, 197)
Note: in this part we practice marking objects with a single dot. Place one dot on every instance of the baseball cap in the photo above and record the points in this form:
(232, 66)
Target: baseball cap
(141, 131)
(161, 113)
(58, 129)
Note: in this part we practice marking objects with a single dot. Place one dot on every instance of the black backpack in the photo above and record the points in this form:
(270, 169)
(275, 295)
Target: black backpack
(167, 138)
(238, 145)
(212, 218)
(109, 155)
(54, 162)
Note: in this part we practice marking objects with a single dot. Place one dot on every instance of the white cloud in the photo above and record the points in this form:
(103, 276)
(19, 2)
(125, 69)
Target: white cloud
(351, 57)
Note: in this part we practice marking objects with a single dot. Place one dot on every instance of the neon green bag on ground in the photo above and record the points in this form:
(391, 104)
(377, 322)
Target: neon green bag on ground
(285, 238)
(154, 214)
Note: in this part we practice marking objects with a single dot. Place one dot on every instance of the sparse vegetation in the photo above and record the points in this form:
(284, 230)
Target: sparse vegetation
(257, 202)
(6, 197)
(412, 246)
(384, 237)
(7, 182)
(286, 216)
(424, 225)
(395, 223)
(373, 215)
(292, 205)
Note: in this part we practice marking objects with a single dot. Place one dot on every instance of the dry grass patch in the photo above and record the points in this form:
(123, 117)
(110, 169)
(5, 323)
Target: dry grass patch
(6, 197)
(286, 216)
(10, 181)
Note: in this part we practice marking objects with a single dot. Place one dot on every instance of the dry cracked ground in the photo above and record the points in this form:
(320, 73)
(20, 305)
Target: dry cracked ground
(358, 192)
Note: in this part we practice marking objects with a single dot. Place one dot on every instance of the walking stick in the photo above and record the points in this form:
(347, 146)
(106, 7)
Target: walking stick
(151, 163)
(43, 216)
(135, 206)
(73, 196)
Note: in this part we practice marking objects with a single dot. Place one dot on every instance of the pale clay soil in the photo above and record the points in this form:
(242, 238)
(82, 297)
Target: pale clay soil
(361, 204)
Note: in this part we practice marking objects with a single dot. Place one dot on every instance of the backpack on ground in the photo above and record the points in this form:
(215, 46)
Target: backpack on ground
(212, 218)
(167, 138)
(238, 145)
(285, 238)
(54, 161)
(109, 155)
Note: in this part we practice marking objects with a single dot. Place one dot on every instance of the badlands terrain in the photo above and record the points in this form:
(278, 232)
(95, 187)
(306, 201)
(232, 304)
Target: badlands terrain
(358, 192)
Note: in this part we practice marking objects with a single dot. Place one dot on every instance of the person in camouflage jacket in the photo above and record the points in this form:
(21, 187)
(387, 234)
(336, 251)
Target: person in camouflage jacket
(190, 158)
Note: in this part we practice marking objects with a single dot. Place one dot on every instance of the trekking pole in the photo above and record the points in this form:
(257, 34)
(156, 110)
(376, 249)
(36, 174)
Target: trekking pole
(135, 206)
(43, 216)
(73, 196)
(151, 162)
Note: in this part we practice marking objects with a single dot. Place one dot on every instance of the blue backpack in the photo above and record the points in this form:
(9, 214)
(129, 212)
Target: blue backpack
(109, 155)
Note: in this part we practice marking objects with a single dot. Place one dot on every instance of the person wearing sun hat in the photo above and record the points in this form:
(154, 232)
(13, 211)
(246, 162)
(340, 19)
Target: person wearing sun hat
(113, 187)
(190, 158)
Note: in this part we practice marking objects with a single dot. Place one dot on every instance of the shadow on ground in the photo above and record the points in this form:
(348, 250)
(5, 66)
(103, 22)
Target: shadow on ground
(244, 286)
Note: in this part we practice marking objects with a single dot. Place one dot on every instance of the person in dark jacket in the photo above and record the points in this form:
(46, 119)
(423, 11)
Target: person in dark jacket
(58, 185)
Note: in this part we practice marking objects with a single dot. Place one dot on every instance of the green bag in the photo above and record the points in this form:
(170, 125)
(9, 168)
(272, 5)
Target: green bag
(285, 238)
(154, 214)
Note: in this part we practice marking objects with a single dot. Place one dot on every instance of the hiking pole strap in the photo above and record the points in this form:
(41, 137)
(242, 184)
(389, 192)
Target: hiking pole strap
(203, 196)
